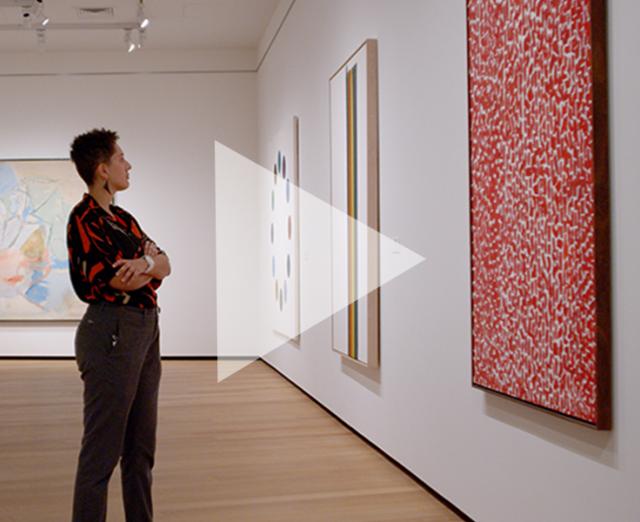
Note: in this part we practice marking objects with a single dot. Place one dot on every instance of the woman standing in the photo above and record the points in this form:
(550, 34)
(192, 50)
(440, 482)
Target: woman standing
(115, 268)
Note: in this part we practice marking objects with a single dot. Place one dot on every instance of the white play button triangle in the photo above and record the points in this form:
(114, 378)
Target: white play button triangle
(272, 284)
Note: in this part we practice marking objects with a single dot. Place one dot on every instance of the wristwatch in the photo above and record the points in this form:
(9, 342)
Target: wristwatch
(150, 262)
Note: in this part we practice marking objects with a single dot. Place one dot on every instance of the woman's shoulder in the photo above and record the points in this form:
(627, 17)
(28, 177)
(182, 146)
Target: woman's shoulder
(125, 216)
(121, 212)
(83, 211)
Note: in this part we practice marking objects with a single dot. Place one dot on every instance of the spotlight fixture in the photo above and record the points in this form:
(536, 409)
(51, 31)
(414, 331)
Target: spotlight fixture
(143, 21)
(129, 41)
(33, 18)
(27, 16)
(32, 14)
(31, 11)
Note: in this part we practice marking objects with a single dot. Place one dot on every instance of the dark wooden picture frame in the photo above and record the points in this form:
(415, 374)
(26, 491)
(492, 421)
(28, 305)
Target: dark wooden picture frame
(601, 418)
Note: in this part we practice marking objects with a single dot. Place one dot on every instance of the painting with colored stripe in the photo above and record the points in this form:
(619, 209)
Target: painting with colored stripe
(283, 231)
(539, 204)
(36, 197)
(354, 191)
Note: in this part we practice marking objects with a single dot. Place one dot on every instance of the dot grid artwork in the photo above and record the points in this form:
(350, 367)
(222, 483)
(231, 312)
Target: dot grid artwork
(284, 234)
(539, 204)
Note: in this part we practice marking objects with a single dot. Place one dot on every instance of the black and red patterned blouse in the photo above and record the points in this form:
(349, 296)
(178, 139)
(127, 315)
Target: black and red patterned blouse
(95, 241)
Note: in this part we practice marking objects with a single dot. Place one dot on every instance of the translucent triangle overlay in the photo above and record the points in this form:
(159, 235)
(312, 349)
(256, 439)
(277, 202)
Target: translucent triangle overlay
(277, 248)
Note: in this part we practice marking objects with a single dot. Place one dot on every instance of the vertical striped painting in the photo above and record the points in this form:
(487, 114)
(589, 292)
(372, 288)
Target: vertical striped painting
(354, 191)
(352, 207)
(539, 204)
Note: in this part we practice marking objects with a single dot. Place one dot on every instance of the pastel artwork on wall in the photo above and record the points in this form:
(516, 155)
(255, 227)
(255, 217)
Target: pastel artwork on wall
(36, 197)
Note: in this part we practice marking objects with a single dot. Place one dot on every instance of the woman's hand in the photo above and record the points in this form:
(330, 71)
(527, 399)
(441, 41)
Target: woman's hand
(162, 267)
(130, 268)
(151, 249)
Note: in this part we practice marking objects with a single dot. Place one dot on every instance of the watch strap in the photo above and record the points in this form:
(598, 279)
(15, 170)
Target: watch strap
(150, 262)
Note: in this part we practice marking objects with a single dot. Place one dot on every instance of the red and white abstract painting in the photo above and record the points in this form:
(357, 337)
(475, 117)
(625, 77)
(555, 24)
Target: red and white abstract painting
(533, 203)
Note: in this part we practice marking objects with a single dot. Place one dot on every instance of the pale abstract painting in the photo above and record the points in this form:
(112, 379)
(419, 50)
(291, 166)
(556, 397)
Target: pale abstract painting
(36, 197)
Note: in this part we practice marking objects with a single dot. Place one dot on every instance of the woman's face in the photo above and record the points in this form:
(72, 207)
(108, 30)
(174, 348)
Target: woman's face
(118, 170)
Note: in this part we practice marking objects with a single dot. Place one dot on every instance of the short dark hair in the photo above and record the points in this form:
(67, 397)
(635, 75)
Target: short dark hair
(90, 149)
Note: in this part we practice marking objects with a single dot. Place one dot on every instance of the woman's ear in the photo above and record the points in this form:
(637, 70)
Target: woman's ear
(102, 172)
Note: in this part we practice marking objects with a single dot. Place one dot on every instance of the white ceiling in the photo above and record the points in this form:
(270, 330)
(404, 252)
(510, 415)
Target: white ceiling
(175, 24)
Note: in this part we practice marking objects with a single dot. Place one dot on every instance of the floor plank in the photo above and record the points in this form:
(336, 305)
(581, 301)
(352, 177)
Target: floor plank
(253, 448)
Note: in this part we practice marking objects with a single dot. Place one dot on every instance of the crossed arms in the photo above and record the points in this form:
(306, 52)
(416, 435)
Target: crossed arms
(132, 275)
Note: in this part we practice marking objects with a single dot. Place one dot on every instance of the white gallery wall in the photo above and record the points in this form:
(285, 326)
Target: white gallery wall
(168, 113)
(497, 460)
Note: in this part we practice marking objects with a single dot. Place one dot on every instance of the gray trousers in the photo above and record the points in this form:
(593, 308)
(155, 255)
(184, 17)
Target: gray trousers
(118, 355)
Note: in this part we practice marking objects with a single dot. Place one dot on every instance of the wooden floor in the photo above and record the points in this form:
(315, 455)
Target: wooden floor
(252, 448)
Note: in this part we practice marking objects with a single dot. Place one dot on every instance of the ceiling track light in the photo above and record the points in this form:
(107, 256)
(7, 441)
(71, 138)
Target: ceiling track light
(128, 40)
(32, 12)
(143, 20)
(33, 18)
